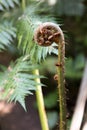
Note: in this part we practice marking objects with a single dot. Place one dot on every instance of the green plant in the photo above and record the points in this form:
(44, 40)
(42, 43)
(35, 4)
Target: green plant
(45, 35)
(22, 75)
(37, 53)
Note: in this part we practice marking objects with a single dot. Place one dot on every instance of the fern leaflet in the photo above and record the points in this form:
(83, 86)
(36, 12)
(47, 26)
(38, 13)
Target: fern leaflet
(6, 4)
(7, 34)
(19, 81)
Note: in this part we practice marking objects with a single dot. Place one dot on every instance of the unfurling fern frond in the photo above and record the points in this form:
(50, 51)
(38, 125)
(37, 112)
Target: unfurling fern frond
(6, 4)
(18, 81)
(25, 34)
(7, 34)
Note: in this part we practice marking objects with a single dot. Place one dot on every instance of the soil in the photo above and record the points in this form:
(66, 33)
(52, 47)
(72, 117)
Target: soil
(13, 116)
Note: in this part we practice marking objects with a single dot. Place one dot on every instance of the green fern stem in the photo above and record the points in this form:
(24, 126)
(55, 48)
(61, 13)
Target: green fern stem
(40, 103)
(61, 85)
(23, 4)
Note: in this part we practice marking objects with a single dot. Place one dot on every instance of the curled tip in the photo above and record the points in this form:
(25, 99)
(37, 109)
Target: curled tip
(47, 33)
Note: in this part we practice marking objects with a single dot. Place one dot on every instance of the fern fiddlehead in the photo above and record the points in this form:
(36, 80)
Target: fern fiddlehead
(45, 35)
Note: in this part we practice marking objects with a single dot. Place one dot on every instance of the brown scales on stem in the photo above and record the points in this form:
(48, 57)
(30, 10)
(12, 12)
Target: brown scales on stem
(55, 77)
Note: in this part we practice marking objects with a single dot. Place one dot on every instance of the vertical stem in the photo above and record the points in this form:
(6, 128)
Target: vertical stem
(23, 4)
(61, 85)
(40, 103)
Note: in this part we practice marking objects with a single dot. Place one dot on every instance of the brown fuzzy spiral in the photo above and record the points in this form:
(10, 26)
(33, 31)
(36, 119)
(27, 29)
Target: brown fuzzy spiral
(47, 33)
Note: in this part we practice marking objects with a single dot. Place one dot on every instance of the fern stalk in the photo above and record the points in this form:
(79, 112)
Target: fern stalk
(45, 35)
(61, 85)
(23, 4)
(40, 103)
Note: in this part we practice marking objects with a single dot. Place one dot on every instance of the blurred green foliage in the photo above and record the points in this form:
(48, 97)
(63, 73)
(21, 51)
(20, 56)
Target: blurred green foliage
(70, 7)
(74, 67)
(51, 100)
(52, 119)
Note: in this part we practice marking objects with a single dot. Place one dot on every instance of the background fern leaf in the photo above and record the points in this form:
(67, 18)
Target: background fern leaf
(6, 4)
(19, 81)
(7, 34)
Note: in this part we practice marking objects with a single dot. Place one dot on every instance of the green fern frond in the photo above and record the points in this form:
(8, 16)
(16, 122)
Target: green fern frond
(7, 4)
(7, 34)
(3, 76)
(20, 80)
(25, 33)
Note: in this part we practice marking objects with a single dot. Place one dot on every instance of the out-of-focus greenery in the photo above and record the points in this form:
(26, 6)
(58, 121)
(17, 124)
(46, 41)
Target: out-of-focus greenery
(52, 118)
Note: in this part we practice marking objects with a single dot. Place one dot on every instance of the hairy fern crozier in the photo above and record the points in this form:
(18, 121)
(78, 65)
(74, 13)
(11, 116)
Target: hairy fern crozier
(47, 33)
